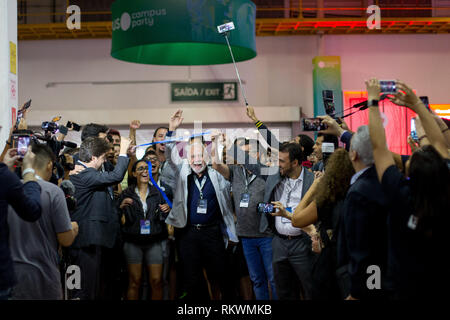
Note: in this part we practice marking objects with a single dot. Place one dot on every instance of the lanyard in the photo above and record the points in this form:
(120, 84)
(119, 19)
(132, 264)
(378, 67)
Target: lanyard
(288, 200)
(247, 183)
(200, 187)
(81, 164)
(157, 186)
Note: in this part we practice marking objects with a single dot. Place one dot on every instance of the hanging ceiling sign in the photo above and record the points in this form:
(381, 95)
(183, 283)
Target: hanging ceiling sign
(204, 91)
(182, 32)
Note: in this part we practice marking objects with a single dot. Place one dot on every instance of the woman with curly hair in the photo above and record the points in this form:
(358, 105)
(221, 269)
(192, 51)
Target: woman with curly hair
(322, 205)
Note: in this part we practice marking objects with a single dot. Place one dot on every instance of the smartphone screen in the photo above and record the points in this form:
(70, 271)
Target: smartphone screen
(313, 124)
(388, 86)
(413, 130)
(265, 208)
(22, 145)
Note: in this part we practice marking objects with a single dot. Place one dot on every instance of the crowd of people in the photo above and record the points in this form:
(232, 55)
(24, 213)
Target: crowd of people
(229, 220)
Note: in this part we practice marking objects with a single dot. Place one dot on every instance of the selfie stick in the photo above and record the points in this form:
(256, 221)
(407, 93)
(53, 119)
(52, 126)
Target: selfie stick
(224, 28)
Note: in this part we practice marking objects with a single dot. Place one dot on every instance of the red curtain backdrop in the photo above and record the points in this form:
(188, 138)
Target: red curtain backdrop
(398, 120)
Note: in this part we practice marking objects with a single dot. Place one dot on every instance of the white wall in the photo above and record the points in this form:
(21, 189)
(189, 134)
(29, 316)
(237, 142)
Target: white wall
(281, 75)
(8, 80)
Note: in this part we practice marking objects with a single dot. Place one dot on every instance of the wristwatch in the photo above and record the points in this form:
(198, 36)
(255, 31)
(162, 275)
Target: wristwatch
(29, 170)
(372, 103)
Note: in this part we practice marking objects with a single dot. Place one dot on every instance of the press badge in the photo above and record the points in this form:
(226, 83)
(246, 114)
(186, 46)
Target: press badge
(145, 226)
(245, 200)
(202, 206)
(286, 220)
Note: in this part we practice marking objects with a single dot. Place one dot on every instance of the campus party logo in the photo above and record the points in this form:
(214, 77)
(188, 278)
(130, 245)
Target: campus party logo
(137, 19)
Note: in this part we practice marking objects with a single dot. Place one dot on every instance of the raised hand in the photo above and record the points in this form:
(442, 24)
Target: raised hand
(333, 127)
(135, 124)
(251, 114)
(28, 160)
(373, 89)
(124, 145)
(176, 120)
(405, 96)
(412, 144)
(11, 158)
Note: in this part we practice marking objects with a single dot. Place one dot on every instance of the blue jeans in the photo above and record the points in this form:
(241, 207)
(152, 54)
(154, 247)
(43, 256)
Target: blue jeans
(258, 254)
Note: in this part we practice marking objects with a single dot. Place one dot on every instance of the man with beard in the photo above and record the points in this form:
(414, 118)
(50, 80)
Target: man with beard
(202, 210)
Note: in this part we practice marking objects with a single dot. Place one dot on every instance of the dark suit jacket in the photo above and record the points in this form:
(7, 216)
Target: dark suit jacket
(96, 214)
(363, 240)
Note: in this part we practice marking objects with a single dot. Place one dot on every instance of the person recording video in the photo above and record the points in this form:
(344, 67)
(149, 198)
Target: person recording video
(25, 199)
(34, 246)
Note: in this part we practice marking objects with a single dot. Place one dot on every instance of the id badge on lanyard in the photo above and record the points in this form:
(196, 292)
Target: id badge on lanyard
(245, 197)
(202, 206)
(245, 200)
(286, 220)
(145, 226)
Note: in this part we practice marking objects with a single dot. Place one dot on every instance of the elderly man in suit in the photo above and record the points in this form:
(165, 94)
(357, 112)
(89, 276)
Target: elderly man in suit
(202, 213)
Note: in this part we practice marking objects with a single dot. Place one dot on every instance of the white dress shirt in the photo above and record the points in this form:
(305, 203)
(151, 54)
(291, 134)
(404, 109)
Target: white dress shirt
(289, 190)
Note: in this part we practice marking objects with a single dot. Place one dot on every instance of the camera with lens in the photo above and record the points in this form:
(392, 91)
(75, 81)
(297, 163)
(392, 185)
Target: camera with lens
(50, 126)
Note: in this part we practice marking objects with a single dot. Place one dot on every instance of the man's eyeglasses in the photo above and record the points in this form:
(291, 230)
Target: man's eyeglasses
(153, 159)
(140, 169)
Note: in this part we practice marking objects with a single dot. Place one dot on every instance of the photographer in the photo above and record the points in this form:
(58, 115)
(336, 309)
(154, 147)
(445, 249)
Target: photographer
(26, 201)
(96, 213)
(419, 202)
(317, 150)
(34, 246)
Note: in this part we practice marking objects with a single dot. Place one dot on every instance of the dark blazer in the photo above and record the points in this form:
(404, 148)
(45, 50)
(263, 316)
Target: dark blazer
(96, 214)
(363, 240)
(26, 202)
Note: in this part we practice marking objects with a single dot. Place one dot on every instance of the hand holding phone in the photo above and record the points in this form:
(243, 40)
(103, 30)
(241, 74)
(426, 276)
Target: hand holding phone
(22, 145)
(266, 208)
(414, 135)
(313, 124)
(388, 86)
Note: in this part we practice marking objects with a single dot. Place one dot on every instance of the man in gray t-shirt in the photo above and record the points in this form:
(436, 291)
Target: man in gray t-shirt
(34, 246)
(248, 191)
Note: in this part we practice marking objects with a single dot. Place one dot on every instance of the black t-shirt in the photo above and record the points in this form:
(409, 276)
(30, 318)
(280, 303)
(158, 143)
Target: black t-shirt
(411, 258)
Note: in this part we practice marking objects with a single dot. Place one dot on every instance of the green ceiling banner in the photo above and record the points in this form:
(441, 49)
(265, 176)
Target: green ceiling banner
(182, 32)
(327, 85)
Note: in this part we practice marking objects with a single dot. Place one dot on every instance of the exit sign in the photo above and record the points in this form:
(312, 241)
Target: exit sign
(204, 91)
